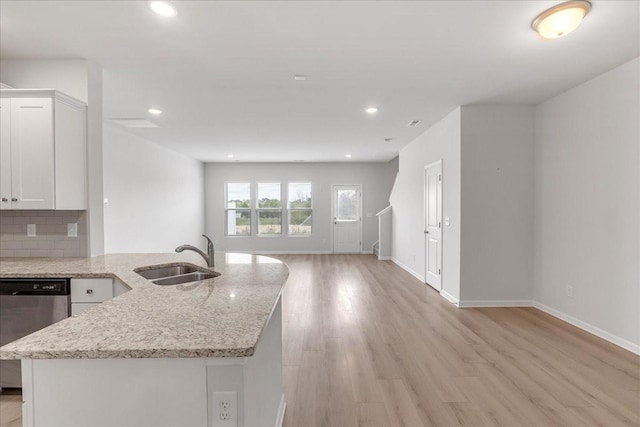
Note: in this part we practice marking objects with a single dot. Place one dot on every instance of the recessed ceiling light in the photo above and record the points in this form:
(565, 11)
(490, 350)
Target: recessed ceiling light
(372, 110)
(348, 156)
(163, 8)
(300, 77)
(561, 19)
(155, 111)
(230, 156)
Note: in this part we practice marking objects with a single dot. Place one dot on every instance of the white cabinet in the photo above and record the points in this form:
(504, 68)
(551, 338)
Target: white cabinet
(43, 150)
(87, 293)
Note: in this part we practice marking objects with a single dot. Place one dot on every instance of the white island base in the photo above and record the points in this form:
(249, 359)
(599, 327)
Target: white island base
(158, 391)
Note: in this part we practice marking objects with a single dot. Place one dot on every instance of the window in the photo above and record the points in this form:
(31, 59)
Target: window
(269, 208)
(238, 208)
(299, 212)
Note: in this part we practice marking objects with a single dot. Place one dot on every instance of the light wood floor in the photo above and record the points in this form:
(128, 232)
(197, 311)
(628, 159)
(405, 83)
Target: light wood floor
(366, 344)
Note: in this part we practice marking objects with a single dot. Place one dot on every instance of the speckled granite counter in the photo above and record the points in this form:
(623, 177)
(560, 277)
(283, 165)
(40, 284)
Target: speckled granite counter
(220, 317)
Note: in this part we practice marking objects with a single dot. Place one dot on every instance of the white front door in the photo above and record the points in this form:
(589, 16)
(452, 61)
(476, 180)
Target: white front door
(433, 224)
(347, 219)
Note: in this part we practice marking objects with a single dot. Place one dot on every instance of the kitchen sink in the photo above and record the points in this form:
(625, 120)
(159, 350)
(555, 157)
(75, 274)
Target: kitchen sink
(184, 278)
(160, 272)
(174, 274)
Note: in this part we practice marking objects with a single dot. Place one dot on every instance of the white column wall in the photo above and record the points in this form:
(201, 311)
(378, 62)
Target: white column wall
(441, 141)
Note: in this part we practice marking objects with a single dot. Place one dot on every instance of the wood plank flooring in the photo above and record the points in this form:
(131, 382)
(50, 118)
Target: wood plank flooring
(366, 344)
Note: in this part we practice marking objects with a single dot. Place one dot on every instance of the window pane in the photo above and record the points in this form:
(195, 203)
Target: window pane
(299, 195)
(238, 195)
(347, 205)
(238, 222)
(269, 195)
(300, 221)
(269, 222)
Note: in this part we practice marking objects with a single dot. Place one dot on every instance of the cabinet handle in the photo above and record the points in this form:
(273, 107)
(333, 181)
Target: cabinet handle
(4, 199)
(89, 291)
(14, 199)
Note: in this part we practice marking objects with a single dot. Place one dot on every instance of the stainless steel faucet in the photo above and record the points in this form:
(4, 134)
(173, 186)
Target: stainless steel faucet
(207, 257)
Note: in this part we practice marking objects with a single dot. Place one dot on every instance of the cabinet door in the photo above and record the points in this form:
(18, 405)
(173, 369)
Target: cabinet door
(32, 180)
(5, 153)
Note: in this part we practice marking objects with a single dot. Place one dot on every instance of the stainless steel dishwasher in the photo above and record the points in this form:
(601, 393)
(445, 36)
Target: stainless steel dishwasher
(26, 306)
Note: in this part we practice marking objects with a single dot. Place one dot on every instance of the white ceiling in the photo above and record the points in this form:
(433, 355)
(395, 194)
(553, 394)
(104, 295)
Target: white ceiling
(223, 71)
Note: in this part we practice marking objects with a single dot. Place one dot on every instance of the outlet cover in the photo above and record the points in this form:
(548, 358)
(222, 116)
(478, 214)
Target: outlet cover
(570, 291)
(225, 409)
(72, 230)
(31, 230)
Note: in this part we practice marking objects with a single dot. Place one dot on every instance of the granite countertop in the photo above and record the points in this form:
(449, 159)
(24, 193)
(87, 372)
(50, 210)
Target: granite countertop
(219, 317)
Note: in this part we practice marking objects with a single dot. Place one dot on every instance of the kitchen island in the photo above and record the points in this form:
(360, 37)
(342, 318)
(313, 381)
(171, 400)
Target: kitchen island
(158, 355)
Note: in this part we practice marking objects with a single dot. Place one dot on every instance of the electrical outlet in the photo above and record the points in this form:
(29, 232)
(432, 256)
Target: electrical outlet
(72, 230)
(225, 407)
(569, 291)
(31, 230)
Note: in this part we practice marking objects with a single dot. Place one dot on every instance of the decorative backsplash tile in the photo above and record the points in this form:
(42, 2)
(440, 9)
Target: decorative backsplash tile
(51, 238)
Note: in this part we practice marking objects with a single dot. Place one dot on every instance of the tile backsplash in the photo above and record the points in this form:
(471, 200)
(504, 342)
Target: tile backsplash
(51, 234)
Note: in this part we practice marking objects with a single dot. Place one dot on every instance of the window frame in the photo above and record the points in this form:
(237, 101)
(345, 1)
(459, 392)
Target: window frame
(227, 209)
(258, 209)
(289, 210)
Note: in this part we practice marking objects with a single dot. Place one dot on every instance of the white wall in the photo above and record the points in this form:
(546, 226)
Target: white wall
(82, 80)
(376, 180)
(442, 141)
(586, 203)
(496, 257)
(67, 75)
(156, 196)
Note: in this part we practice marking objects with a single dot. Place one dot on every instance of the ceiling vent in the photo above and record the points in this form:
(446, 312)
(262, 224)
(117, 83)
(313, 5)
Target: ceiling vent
(412, 123)
(135, 123)
(388, 139)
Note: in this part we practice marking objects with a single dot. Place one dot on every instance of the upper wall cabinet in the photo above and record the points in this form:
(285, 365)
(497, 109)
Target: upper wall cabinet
(43, 150)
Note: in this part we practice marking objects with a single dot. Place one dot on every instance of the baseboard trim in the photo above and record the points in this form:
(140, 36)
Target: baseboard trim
(281, 410)
(446, 295)
(495, 303)
(408, 270)
(384, 258)
(594, 330)
(369, 252)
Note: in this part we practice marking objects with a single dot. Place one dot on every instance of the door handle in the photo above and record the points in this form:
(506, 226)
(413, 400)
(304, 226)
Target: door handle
(426, 232)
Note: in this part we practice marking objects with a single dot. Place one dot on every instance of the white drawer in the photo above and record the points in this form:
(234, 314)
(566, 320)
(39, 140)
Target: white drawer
(79, 307)
(91, 290)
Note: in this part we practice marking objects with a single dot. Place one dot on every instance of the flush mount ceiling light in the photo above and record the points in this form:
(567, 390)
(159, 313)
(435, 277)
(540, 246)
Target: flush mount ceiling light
(154, 111)
(348, 156)
(300, 77)
(372, 110)
(163, 8)
(230, 156)
(561, 19)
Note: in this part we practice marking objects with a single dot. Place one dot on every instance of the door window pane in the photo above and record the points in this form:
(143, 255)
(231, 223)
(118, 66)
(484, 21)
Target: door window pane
(347, 205)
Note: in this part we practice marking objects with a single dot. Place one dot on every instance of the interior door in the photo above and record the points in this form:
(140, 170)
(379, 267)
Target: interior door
(433, 224)
(347, 219)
